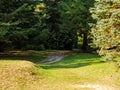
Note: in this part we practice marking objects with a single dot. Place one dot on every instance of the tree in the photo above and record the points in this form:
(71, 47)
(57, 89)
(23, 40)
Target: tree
(106, 31)
(15, 21)
(44, 24)
(58, 37)
(76, 15)
(7, 22)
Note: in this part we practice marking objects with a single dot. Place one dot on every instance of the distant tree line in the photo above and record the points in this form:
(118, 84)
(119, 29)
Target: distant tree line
(44, 24)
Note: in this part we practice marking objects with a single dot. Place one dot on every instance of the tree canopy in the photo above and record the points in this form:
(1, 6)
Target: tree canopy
(44, 24)
(59, 24)
(106, 31)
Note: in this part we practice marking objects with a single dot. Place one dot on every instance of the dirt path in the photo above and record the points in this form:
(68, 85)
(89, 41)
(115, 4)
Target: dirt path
(94, 87)
(56, 56)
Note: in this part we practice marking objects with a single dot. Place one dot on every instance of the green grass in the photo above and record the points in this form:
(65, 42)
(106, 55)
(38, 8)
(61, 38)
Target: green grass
(28, 73)
(75, 61)
(82, 69)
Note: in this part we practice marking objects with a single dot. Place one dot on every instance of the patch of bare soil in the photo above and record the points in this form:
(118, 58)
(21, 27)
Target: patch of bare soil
(94, 87)
(56, 56)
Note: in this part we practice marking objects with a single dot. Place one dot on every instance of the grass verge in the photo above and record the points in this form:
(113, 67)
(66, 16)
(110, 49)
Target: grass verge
(23, 71)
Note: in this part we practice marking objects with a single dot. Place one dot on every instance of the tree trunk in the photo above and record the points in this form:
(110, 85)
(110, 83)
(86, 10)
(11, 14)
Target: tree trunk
(85, 42)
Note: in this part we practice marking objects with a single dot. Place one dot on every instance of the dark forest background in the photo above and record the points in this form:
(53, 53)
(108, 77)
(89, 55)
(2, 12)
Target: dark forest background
(45, 24)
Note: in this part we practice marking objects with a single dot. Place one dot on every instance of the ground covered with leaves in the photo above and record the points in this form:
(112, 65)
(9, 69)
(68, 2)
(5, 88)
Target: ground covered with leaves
(26, 70)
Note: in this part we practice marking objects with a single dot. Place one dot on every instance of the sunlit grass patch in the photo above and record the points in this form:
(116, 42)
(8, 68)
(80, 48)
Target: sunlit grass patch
(15, 64)
(82, 69)
(75, 69)
(74, 61)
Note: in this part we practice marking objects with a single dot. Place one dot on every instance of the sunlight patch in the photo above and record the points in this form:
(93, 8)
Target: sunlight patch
(94, 87)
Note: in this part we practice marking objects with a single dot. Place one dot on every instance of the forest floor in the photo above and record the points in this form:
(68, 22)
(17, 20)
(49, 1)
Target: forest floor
(58, 70)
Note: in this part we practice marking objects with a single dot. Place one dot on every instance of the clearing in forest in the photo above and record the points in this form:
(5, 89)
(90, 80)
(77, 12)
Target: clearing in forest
(28, 70)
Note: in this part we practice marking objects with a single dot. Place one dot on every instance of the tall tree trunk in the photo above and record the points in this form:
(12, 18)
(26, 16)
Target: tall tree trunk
(85, 42)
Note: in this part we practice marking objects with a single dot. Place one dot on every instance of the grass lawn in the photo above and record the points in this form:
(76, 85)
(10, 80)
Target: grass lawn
(24, 71)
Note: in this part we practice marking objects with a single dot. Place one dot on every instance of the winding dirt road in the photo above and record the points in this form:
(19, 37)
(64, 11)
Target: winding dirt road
(56, 56)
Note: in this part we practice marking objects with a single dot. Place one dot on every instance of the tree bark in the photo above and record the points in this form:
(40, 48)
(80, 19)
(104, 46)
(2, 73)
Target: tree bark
(85, 42)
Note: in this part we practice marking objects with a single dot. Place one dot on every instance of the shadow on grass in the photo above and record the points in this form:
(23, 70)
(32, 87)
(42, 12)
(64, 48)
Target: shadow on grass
(74, 61)
(33, 56)
(70, 61)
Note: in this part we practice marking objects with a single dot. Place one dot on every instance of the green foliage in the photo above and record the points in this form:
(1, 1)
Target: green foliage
(44, 24)
(15, 22)
(76, 17)
(50, 18)
(106, 32)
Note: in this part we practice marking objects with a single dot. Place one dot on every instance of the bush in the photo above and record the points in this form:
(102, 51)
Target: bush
(5, 45)
(40, 47)
(34, 47)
